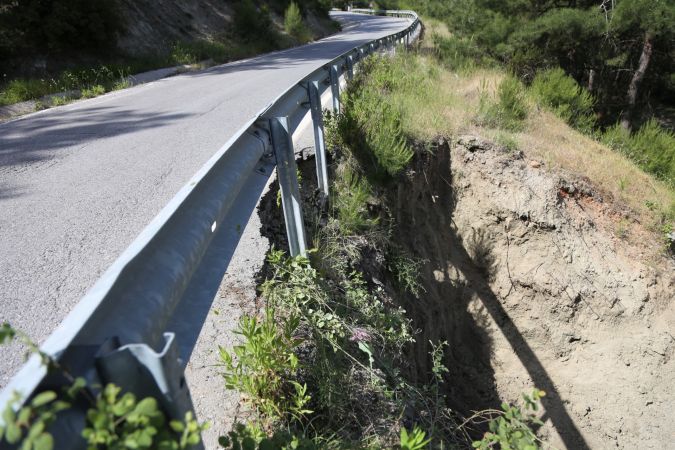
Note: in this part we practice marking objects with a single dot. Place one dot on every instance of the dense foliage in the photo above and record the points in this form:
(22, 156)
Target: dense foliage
(622, 51)
(53, 27)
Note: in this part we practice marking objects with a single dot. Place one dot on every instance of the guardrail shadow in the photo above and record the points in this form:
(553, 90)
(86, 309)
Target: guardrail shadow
(190, 315)
(26, 141)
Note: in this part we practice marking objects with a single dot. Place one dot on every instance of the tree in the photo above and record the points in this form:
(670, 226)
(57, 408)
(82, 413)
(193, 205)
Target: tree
(643, 26)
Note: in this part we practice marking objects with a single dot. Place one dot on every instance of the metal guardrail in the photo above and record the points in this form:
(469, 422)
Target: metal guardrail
(118, 333)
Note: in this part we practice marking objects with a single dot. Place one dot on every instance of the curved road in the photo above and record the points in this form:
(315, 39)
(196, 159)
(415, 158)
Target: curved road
(79, 182)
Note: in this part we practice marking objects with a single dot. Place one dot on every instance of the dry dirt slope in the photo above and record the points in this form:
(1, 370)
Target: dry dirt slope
(152, 25)
(564, 304)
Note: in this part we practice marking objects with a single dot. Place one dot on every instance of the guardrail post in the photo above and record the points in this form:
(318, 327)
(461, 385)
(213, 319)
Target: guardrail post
(335, 87)
(319, 141)
(287, 172)
(350, 67)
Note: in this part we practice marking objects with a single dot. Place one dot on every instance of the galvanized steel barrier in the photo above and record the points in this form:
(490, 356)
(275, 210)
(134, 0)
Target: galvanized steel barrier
(119, 332)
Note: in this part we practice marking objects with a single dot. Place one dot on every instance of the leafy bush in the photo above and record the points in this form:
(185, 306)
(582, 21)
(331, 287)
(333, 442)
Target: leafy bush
(294, 25)
(508, 110)
(263, 366)
(511, 429)
(652, 147)
(112, 422)
(121, 422)
(555, 89)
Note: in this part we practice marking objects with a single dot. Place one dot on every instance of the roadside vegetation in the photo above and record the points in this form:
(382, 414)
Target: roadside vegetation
(70, 47)
(327, 362)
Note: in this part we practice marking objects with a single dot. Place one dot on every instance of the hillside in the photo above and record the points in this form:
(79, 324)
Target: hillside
(84, 49)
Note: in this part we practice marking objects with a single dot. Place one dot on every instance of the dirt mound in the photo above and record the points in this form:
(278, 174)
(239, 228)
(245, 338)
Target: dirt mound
(531, 289)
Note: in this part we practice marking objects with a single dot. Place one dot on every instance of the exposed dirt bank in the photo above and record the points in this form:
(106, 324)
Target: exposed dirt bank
(531, 288)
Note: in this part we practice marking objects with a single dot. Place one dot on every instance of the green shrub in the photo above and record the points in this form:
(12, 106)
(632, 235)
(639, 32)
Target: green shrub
(512, 427)
(112, 421)
(560, 92)
(253, 24)
(508, 110)
(458, 53)
(652, 147)
(294, 25)
(351, 193)
(263, 366)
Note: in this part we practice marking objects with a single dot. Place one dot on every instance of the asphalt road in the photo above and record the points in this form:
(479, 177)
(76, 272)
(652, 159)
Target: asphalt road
(79, 182)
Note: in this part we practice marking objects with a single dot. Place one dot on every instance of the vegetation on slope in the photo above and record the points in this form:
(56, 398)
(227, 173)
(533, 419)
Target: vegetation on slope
(68, 46)
(615, 59)
(328, 363)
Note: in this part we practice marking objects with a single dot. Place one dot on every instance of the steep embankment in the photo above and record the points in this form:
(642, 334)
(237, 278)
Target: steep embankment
(530, 287)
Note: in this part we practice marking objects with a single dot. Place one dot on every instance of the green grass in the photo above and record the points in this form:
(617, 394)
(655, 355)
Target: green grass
(373, 122)
(93, 91)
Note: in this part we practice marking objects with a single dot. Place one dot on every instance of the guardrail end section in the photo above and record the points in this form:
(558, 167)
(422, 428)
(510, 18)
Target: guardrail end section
(287, 173)
(137, 368)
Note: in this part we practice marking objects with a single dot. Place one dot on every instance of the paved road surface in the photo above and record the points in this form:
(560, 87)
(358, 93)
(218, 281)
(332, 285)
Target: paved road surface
(79, 182)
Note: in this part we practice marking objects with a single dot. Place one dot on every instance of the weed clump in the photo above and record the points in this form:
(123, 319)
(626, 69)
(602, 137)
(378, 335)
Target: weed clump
(508, 109)
(372, 125)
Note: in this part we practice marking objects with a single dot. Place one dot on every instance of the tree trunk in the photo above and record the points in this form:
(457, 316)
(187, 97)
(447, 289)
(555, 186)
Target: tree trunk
(591, 80)
(638, 75)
